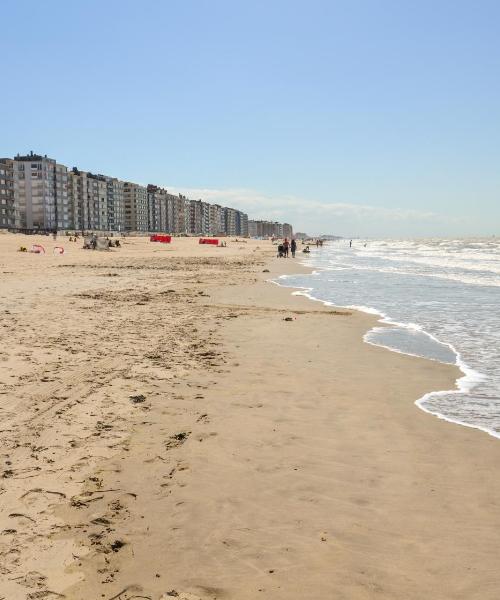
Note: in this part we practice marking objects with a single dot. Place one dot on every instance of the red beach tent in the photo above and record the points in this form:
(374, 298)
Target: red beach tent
(165, 239)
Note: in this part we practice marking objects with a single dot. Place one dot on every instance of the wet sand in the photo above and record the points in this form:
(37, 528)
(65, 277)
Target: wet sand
(174, 425)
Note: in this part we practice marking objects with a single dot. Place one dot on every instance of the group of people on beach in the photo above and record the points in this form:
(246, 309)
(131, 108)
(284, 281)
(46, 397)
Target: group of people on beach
(287, 247)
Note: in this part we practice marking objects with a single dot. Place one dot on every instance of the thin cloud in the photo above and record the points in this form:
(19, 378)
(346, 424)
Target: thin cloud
(302, 212)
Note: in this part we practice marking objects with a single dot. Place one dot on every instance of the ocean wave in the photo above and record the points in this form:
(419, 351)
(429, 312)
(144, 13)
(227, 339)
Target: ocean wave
(469, 380)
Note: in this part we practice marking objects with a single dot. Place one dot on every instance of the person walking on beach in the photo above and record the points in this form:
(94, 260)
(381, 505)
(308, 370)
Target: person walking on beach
(350, 244)
(293, 247)
(286, 247)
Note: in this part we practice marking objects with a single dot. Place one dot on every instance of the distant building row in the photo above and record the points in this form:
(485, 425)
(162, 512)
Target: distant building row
(38, 193)
(266, 229)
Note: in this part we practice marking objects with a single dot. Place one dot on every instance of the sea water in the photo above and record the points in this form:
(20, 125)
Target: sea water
(438, 299)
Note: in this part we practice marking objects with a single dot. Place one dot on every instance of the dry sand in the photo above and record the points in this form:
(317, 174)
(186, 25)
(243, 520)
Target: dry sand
(165, 432)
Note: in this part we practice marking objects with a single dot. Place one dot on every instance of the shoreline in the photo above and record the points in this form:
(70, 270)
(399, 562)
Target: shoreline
(284, 458)
(461, 385)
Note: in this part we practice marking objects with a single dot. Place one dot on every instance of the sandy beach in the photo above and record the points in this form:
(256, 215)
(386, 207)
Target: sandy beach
(173, 424)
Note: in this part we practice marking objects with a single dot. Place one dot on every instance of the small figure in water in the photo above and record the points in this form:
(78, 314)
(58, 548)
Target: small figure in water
(350, 244)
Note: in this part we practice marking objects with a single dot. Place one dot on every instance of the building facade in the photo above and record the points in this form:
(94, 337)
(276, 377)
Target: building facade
(41, 193)
(115, 196)
(6, 193)
(269, 229)
(287, 231)
(36, 192)
(216, 224)
(178, 214)
(156, 216)
(241, 224)
(136, 207)
(97, 201)
(230, 221)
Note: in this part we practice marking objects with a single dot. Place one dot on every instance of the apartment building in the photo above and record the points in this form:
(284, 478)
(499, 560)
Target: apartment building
(252, 228)
(216, 224)
(97, 201)
(136, 207)
(6, 193)
(77, 195)
(242, 224)
(162, 210)
(230, 221)
(180, 214)
(41, 193)
(287, 231)
(194, 217)
(96, 207)
(36, 192)
(115, 195)
(205, 218)
(266, 229)
(154, 208)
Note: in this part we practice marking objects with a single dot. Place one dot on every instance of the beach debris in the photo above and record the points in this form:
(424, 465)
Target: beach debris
(42, 491)
(80, 503)
(117, 545)
(177, 440)
(129, 588)
(180, 595)
(100, 521)
(40, 595)
(14, 515)
(137, 399)
(288, 319)
(265, 271)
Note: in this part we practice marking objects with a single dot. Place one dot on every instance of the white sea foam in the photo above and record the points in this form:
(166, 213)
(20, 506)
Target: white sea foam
(457, 314)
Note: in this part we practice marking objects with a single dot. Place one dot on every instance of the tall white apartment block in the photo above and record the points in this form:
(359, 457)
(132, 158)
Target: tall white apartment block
(156, 208)
(115, 192)
(41, 193)
(96, 205)
(230, 218)
(136, 207)
(6, 193)
(97, 201)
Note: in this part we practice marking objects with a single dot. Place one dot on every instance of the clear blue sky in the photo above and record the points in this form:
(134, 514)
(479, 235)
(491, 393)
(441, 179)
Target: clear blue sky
(350, 117)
